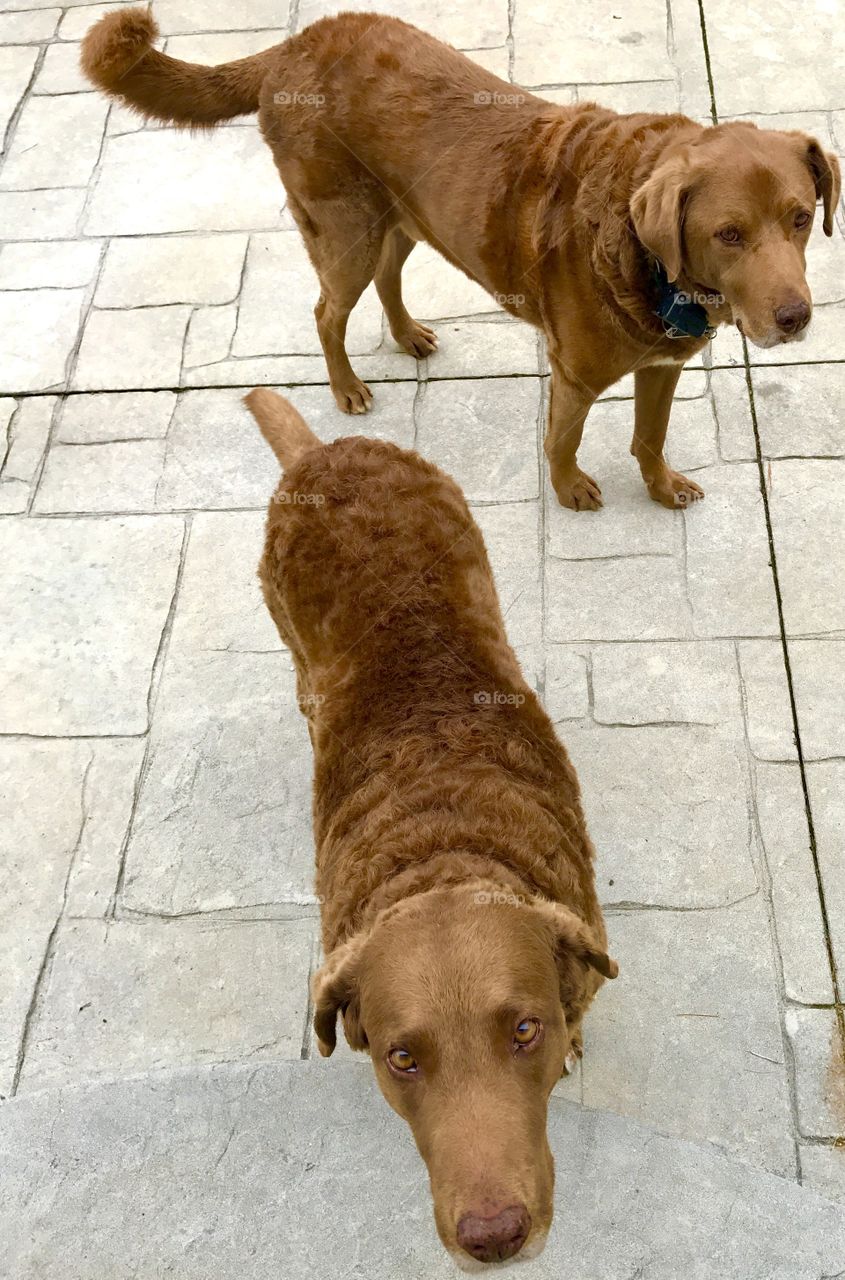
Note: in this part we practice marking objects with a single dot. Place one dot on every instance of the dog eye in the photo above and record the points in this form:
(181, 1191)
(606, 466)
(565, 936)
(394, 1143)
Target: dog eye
(400, 1060)
(730, 235)
(526, 1032)
(802, 217)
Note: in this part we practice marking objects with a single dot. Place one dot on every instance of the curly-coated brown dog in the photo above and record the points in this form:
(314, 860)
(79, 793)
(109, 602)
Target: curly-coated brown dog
(575, 218)
(463, 937)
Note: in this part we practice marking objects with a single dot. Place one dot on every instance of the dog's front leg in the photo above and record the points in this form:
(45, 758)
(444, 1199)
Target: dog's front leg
(572, 398)
(654, 389)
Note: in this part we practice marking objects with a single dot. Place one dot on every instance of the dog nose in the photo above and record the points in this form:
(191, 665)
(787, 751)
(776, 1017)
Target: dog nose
(792, 318)
(497, 1238)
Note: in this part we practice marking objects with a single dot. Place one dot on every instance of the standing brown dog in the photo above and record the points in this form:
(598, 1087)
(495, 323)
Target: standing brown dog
(463, 936)
(577, 219)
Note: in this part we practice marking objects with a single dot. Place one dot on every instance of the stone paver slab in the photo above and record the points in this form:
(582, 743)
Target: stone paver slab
(119, 477)
(136, 348)
(16, 68)
(512, 537)
(689, 1039)
(463, 27)
(727, 545)
(56, 143)
(223, 46)
(28, 27)
(667, 809)
(687, 683)
(82, 611)
(627, 43)
(42, 215)
(806, 516)
(818, 668)
(122, 996)
(435, 290)
(823, 1169)
(188, 174)
(768, 711)
(193, 1170)
(27, 438)
(210, 335)
(39, 330)
(60, 71)
(826, 783)
(482, 349)
(114, 416)
(819, 1071)
(156, 271)
(782, 820)
(797, 411)
(484, 434)
(567, 692)
(58, 265)
(630, 598)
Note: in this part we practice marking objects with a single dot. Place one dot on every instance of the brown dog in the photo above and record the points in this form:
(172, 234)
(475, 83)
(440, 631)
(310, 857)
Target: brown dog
(575, 218)
(463, 936)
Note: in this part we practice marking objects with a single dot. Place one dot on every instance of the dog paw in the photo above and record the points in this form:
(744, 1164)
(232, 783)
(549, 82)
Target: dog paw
(579, 492)
(355, 398)
(419, 340)
(674, 490)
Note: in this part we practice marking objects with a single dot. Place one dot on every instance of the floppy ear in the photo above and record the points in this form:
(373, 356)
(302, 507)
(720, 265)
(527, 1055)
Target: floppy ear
(824, 166)
(576, 938)
(335, 987)
(657, 211)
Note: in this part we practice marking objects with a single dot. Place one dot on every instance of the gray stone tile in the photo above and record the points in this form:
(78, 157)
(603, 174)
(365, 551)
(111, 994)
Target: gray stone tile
(819, 1071)
(189, 173)
(56, 143)
(223, 1144)
(122, 996)
(823, 341)
(688, 1038)
(733, 414)
(484, 434)
(826, 784)
(687, 51)
(28, 27)
(138, 349)
(823, 1169)
(57, 265)
(807, 517)
(16, 68)
(83, 607)
(768, 712)
(512, 537)
(626, 98)
(222, 46)
(727, 545)
(277, 371)
(817, 676)
(63, 822)
(567, 694)
(60, 71)
(435, 290)
(42, 215)
(464, 27)
(210, 334)
(668, 813)
(628, 44)
(155, 271)
(219, 15)
(40, 328)
(766, 63)
(28, 436)
(216, 457)
(101, 477)
(631, 598)
(224, 813)
(113, 416)
(685, 683)
(630, 523)
(779, 803)
(79, 20)
(278, 268)
(691, 443)
(483, 349)
(797, 411)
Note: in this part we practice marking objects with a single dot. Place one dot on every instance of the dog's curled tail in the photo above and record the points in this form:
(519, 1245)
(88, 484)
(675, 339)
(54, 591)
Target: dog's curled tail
(282, 426)
(119, 58)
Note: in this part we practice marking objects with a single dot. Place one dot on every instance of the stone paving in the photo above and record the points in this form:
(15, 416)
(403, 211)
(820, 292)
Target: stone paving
(156, 904)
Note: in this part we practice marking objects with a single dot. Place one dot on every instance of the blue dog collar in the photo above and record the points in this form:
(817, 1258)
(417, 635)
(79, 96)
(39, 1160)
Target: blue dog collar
(682, 318)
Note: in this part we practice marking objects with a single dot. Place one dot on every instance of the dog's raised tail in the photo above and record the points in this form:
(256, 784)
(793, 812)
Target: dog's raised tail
(119, 57)
(282, 426)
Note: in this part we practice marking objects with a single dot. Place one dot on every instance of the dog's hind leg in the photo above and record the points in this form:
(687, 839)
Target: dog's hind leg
(344, 239)
(417, 339)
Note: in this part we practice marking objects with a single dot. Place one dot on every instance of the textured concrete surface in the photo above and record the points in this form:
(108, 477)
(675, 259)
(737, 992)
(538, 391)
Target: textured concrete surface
(156, 893)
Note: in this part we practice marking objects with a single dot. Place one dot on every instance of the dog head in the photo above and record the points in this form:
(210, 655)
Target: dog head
(458, 995)
(732, 211)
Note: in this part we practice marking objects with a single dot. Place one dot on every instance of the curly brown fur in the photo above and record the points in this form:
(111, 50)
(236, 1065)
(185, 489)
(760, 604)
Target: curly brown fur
(454, 868)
